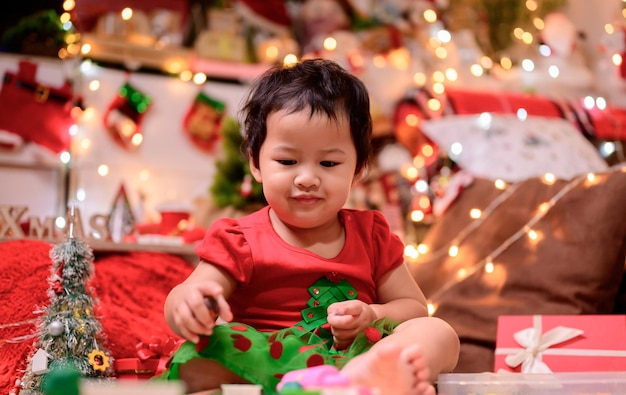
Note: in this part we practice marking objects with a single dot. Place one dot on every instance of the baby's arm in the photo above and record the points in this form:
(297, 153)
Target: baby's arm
(399, 296)
(186, 310)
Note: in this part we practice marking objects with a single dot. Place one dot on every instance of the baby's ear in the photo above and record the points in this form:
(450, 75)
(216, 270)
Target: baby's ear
(256, 173)
(361, 175)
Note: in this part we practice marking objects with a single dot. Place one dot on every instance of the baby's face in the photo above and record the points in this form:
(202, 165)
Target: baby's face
(306, 165)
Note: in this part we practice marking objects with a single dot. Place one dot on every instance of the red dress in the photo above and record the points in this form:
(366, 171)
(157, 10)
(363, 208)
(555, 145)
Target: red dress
(283, 291)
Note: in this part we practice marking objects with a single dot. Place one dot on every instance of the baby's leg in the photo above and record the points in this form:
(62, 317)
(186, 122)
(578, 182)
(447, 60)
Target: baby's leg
(203, 374)
(393, 369)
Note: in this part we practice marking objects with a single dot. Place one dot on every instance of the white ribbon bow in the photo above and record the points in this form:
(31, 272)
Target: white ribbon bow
(535, 343)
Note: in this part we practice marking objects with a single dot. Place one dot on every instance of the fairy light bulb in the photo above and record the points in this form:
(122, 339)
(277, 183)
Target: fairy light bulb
(554, 71)
(591, 177)
(411, 120)
(439, 76)
(410, 172)
(476, 70)
(475, 213)
(427, 150)
(379, 61)
(499, 184)
(103, 170)
(531, 5)
(430, 16)
(489, 267)
(330, 43)
(527, 38)
(617, 59)
(451, 74)
(127, 128)
(68, 5)
(64, 17)
(461, 273)
(93, 85)
(441, 52)
(85, 48)
(422, 248)
(431, 309)
(609, 28)
(417, 216)
(85, 144)
(549, 178)
(439, 89)
(137, 139)
(532, 234)
(419, 79)
(419, 161)
(434, 104)
(528, 65)
(506, 63)
(453, 251)
(65, 157)
(199, 78)
(186, 75)
(486, 62)
(410, 251)
(127, 13)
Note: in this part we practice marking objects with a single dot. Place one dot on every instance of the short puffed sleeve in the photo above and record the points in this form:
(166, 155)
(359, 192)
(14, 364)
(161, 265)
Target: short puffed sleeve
(388, 247)
(224, 245)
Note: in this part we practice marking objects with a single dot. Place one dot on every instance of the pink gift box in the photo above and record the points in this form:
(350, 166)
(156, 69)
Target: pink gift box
(561, 343)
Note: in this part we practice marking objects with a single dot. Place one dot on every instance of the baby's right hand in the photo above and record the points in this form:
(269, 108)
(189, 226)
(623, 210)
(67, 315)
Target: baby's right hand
(193, 316)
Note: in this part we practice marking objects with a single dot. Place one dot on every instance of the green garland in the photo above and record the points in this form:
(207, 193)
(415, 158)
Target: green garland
(43, 28)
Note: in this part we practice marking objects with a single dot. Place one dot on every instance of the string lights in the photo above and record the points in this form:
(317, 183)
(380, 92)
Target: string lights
(454, 247)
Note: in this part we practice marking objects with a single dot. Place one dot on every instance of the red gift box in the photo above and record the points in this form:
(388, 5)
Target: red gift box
(135, 368)
(561, 343)
(473, 101)
(152, 358)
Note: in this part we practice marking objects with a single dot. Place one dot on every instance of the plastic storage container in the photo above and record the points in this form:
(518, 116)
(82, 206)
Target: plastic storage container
(587, 383)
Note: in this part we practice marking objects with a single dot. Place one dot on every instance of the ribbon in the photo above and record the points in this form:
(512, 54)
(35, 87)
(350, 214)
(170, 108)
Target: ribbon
(536, 344)
(155, 348)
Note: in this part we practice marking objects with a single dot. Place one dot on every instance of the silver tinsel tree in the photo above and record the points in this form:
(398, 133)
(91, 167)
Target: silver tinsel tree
(69, 333)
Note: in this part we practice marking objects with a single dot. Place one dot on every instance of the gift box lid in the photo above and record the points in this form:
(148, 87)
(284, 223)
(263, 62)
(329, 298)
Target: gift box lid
(568, 383)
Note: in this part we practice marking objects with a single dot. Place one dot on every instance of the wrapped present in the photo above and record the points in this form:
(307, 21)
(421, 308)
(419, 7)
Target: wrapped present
(561, 343)
(472, 101)
(152, 358)
(135, 368)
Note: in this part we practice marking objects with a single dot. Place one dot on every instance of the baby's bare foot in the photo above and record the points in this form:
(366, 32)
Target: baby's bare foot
(391, 369)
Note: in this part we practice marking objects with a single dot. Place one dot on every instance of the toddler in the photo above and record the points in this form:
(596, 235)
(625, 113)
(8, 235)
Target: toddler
(304, 281)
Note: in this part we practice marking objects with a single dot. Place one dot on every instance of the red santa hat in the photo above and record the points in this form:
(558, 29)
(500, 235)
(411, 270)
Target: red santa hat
(270, 15)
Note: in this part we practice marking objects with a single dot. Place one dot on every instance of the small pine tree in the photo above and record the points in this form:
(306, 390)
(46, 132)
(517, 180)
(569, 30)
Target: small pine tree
(233, 184)
(69, 333)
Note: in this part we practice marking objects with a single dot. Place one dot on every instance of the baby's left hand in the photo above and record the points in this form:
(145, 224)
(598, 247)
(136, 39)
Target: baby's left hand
(347, 319)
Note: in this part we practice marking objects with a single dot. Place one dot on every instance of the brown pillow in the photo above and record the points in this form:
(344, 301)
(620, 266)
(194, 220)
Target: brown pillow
(574, 267)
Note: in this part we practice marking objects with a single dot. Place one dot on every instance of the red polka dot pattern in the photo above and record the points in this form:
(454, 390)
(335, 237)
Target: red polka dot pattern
(314, 360)
(276, 350)
(242, 343)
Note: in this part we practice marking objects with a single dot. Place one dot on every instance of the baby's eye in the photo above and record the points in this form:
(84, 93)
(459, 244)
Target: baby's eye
(328, 163)
(286, 162)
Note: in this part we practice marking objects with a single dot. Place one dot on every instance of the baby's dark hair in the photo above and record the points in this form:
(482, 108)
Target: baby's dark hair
(319, 84)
